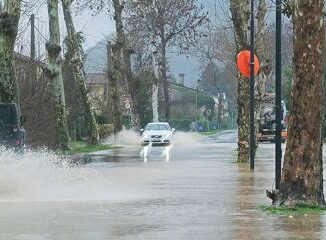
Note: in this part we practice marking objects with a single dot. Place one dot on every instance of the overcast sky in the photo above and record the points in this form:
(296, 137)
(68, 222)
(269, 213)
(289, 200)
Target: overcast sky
(94, 27)
(99, 27)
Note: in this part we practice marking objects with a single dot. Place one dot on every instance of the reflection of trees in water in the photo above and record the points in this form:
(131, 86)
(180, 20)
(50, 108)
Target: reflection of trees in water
(245, 220)
(299, 227)
(251, 223)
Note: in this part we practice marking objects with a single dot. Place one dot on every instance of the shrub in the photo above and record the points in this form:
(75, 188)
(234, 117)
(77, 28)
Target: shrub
(181, 124)
(105, 130)
(101, 119)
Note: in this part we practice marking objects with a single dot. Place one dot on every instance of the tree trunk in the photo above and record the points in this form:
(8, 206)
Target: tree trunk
(115, 90)
(9, 19)
(302, 176)
(243, 119)
(155, 101)
(220, 109)
(240, 17)
(165, 81)
(263, 58)
(124, 58)
(76, 62)
(54, 72)
(135, 119)
(155, 88)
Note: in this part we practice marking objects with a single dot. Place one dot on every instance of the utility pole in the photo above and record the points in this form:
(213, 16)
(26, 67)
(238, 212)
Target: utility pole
(278, 95)
(33, 37)
(33, 65)
(252, 88)
(109, 79)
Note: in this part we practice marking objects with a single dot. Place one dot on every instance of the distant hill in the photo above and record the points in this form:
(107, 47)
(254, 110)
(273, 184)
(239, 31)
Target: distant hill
(97, 57)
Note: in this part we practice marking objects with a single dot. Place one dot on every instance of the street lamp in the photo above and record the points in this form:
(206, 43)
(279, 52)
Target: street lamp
(278, 95)
(252, 88)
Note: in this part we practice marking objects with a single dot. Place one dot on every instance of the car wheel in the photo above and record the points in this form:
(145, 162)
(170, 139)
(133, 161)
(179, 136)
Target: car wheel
(2, 127)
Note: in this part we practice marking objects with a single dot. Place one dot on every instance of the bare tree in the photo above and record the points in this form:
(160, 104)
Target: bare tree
(75, 58)
(262, 53)
(123, 53)
(170, 23)
(9, 19)
(54, 73)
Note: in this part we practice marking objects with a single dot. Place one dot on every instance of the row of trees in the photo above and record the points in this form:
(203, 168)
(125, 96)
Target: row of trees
(10, 15)
(302, 175)
(144, 29)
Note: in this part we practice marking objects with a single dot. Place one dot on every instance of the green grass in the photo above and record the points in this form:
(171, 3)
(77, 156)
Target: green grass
(210, 133)
(297, 210)
(83, 147)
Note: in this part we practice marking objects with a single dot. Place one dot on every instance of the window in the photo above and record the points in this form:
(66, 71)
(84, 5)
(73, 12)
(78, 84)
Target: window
(157, 127)
(8, 114)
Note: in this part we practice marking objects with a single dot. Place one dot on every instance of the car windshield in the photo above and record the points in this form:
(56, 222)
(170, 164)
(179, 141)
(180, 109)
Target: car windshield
(159, 127)
(8, 114)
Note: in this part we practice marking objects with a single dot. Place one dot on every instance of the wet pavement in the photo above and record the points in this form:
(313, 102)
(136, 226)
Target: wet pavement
(193, 190)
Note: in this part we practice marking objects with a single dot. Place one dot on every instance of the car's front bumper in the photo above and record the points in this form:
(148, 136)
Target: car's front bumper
(156, 142)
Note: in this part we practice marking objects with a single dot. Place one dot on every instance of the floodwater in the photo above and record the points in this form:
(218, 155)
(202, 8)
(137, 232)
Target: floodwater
(192, 190)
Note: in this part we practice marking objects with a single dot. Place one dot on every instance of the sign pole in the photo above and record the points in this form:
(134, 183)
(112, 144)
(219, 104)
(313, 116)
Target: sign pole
(252, 89)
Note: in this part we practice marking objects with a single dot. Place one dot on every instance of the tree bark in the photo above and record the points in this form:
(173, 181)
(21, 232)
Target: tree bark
(76, 62)
(54, 72)
(155, 87)
(165, 81)
(135, 119)
(123, 54)
(115, 89)
(220, 109)
(302, 176)
(240, 17)
(261, 79)
(9, 19)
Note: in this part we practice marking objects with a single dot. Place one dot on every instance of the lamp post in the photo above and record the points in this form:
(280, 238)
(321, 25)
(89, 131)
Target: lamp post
(252, 88)
(278, 95)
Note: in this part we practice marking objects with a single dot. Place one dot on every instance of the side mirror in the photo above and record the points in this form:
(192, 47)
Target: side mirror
(173, 129)
(22, 120)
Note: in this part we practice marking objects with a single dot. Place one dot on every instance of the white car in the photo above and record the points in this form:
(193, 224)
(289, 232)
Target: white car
(159, 133)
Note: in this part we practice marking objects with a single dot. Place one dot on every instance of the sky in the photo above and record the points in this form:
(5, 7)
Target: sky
(94, 27)
(99, 27)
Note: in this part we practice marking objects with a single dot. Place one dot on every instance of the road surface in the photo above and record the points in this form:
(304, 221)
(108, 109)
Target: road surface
(194, 190)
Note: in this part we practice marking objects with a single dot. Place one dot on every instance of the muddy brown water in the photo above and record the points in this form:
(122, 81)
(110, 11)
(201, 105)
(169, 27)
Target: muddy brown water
(198, 192)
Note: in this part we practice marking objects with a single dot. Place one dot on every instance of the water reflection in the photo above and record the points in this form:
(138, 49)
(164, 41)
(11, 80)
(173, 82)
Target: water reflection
(245, 219)
(299, 227)
(250, 222)
(155, 152)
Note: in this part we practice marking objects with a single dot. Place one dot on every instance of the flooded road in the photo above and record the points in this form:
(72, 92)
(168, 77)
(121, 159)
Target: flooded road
(194, 190)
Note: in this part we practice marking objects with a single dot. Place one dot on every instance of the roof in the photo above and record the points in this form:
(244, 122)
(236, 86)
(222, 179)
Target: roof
(96, 78)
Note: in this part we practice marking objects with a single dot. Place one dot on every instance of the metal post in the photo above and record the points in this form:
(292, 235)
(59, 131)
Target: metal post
(278, 95)
(196, 102)
(109, 82)
(252, 89)
(33, 37)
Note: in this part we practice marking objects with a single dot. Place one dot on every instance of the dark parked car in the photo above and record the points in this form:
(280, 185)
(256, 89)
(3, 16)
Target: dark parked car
(12, 134)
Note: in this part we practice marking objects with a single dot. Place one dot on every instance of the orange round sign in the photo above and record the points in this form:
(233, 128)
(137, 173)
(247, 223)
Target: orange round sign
(243, 63)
